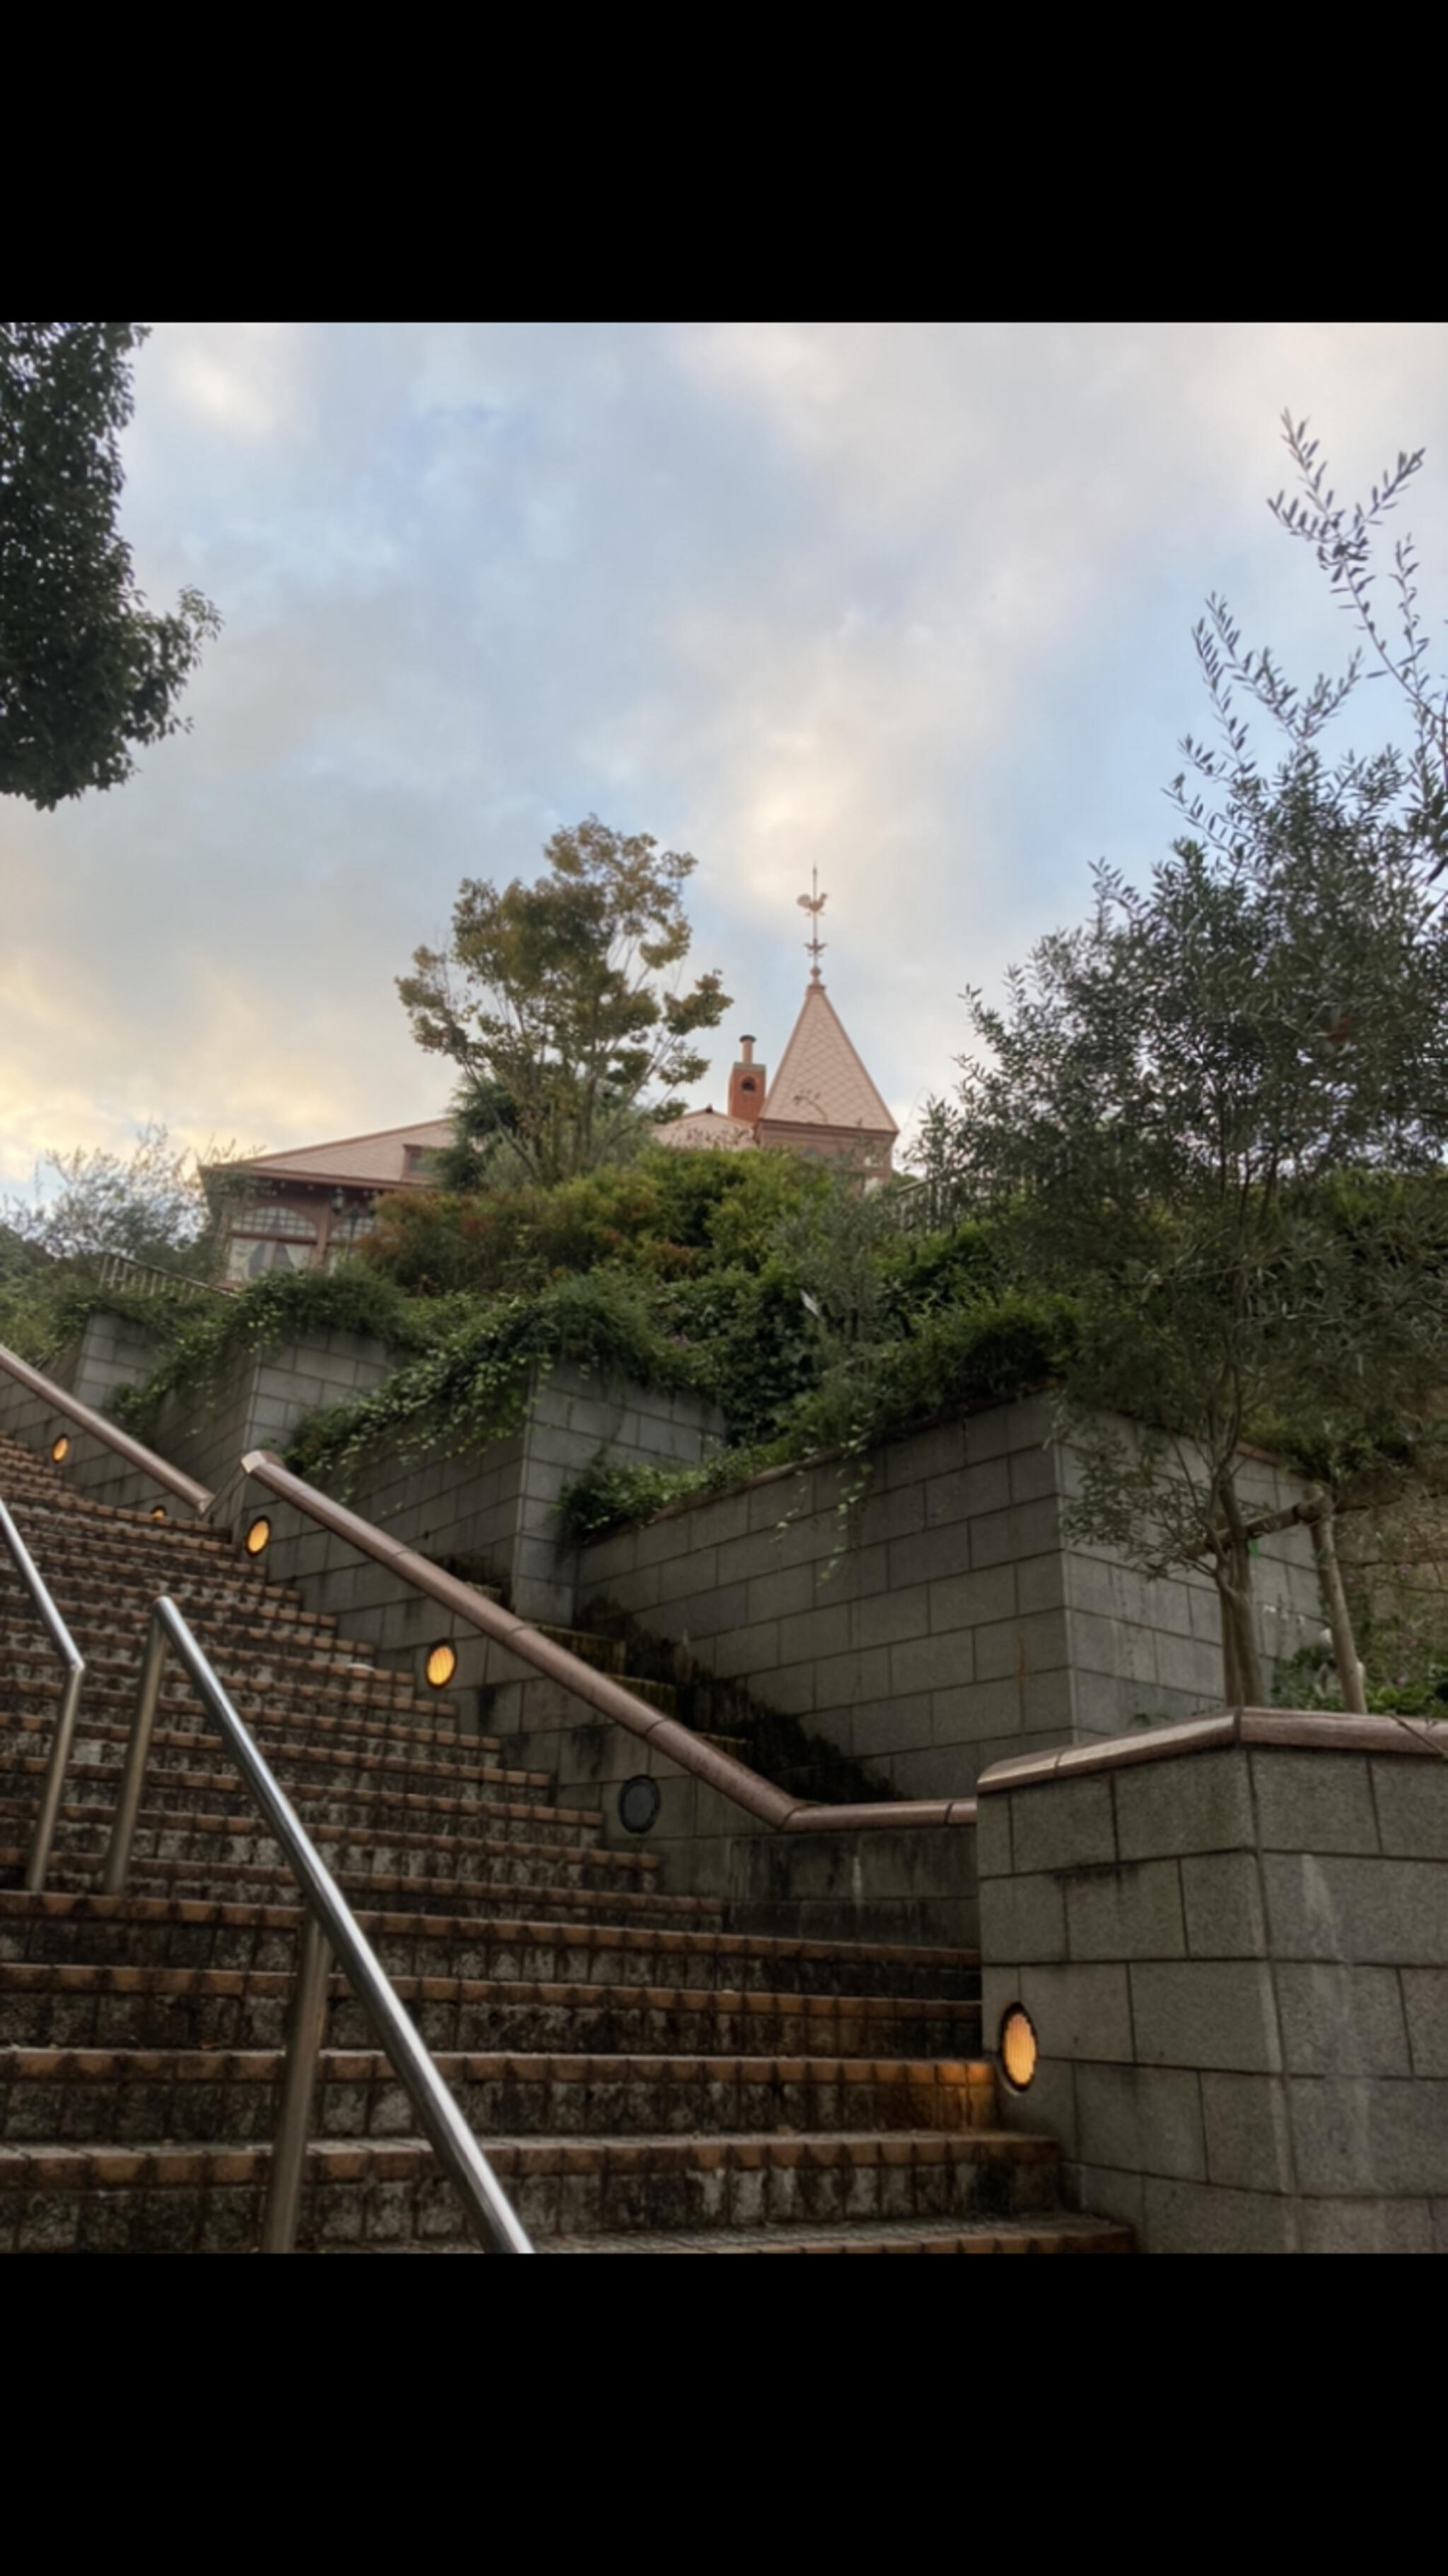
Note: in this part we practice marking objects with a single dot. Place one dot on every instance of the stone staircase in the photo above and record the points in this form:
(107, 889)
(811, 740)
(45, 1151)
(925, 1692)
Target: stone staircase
(646, 2075)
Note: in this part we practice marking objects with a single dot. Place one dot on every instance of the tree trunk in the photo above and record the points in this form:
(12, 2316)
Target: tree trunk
(1231, 1680)
(1339, 1619)
(1235, 1578)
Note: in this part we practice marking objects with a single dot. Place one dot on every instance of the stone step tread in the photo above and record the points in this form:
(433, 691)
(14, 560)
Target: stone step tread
(605, 1654)
(76, 2004)
(379, 1805)
(74, 2166)
(231, 1598)
(84, 2065)
(281, 1747)
(108, 1651)
(81, 1977)
(81, 1584)
(1038, 2232)
(519, 1930)
(83, 1830)
(319, 1690)
(128, 1521)
(387, 2195)
(71, 1872)
(362, 1731)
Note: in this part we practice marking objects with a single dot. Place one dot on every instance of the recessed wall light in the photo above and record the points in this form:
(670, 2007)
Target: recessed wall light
(1020, 2048)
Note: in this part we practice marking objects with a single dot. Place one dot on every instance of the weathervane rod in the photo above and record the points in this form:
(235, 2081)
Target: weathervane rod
(814, 903)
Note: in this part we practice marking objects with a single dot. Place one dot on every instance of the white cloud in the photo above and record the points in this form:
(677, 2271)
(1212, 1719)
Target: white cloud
(907, 604)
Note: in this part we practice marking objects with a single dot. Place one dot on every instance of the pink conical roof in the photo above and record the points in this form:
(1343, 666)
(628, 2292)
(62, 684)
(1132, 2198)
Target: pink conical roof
(821, 1081)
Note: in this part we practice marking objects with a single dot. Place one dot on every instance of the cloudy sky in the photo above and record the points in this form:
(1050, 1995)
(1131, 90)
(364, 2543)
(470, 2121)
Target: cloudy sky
(911, 605)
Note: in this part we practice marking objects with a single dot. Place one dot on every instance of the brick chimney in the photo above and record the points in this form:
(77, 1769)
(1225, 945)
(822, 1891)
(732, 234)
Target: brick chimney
(746, 1085)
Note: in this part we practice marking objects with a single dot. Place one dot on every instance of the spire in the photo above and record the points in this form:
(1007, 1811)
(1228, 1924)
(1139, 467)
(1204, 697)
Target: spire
(814, 903)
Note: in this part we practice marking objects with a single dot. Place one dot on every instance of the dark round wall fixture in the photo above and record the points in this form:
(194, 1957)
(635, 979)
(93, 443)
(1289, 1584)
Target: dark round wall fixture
(639, 1801)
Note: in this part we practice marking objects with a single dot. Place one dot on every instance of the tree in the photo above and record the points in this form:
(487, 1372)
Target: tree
(552, 1002)
(152, 1205)
(1217, 1114)
(87, 672)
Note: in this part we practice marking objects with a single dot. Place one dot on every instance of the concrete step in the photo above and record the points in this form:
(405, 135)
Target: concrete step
(509, 1887)
(390, 1732)
(1055, 2231)
(200, 2198)
(169, 2096)
(109, 1692)
(224, 1843)
(46, 2004)
(437, 1813)
(576, 1946)
(25, 1738)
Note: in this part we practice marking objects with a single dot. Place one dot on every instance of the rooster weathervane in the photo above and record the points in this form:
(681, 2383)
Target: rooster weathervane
(814, 904)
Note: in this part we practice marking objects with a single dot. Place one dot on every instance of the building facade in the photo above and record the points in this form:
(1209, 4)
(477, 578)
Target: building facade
(307, 1210)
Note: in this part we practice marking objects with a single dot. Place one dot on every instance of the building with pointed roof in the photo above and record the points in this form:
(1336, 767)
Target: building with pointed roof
(821, 1103)
(308, 1209)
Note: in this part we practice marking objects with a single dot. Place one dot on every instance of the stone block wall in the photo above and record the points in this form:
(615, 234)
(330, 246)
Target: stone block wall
(495, 1508)
(1235, 1957)
(262, 1398)
(949, 1625)
(111, 1352)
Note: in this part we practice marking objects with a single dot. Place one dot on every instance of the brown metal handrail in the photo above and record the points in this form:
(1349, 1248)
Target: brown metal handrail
(198, 1498)
(734, 1780)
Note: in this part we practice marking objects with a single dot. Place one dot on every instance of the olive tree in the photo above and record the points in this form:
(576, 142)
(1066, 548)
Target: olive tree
(87, 671)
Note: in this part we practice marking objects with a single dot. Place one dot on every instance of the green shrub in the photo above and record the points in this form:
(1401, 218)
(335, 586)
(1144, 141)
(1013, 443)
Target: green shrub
(202, 1341)
(472, 1384)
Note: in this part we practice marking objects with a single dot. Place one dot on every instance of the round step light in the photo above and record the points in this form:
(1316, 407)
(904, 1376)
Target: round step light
(60, 1447)
(639, 1801)
(258, 1535)
(1020, 2049)
(158, 1511)
(441, 1665)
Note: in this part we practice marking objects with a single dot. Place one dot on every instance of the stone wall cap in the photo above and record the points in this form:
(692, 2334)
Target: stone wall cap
(1306, 1730)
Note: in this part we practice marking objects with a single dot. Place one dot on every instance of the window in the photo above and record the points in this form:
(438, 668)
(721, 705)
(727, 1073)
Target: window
(275, 1220)
(249, 1258)
(269, 1237)
(345, 1233)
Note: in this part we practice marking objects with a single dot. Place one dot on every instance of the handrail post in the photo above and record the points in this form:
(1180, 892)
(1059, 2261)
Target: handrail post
(74, 1661)
(133, 1778)
(299, 2080)
(54, 1790)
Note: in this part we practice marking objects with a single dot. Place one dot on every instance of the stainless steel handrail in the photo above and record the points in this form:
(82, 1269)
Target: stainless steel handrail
(74, 1661)
(331, 1926)
(199, 1498)
(613, 1699)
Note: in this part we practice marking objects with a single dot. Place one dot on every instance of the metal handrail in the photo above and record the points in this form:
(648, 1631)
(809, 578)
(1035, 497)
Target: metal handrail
(734, 1780)
(74, 1661)
(198, 1498)
(331, 1926)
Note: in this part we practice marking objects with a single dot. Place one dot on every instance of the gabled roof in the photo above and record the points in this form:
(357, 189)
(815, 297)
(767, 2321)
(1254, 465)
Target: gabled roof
(821, 1081)
(378, 1162)
(700, 1127)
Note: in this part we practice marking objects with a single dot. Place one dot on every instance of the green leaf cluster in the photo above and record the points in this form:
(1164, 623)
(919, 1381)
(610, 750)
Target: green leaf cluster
(87, 672)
